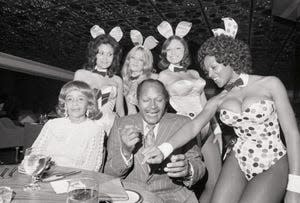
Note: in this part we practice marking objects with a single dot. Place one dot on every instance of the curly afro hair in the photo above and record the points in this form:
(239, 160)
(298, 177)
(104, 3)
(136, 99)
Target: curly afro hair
(227, 51)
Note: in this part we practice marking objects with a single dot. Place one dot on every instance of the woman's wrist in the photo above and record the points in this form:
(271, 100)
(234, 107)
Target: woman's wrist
(166, 149)
(293, 183)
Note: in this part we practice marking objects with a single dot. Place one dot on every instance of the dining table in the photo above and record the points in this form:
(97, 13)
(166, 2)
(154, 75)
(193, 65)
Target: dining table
(16, 181)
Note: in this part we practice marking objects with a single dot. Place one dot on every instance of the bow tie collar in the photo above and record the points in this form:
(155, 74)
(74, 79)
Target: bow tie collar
(102, 73)
(175, 68)
(242, 81)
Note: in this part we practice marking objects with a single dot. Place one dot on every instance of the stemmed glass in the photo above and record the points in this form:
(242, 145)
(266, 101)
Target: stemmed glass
(34, 165)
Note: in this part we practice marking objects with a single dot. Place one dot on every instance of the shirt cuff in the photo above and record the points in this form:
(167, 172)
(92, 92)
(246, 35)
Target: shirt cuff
(166, 149)
(127, 161)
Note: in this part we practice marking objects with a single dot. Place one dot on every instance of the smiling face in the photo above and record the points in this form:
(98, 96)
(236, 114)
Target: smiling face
(152, 102)
(104, 56)
(136, 62)
(219, 73)
(76, 104)
(175, 52)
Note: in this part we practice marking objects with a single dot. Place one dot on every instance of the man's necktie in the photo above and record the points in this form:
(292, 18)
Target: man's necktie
(102, 73)
(236, 83)
(149, 139)
(133, 77)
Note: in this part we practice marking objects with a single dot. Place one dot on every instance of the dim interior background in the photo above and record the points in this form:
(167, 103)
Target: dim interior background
(56, 33)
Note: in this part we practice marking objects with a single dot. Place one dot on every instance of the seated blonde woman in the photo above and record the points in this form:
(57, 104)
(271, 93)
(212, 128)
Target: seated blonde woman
(76, 139)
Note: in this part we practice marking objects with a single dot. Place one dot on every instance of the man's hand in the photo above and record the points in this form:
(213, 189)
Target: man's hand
(152, 155)
(129, 138)
(178, 167)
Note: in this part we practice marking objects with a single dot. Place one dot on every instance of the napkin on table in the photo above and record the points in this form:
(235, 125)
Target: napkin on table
(112, 189)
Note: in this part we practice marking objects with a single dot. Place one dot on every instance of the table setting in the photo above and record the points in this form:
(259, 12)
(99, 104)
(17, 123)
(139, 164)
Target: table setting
(38, 179)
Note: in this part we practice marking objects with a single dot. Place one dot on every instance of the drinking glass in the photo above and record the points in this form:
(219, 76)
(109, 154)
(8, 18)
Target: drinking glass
(5, 194)
(83, 190)
(34, 165)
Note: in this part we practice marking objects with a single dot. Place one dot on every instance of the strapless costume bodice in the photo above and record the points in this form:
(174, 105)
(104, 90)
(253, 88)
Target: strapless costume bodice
(258, 145)
(130, 92)
(106, 103)
(185, 96)
(107, 98)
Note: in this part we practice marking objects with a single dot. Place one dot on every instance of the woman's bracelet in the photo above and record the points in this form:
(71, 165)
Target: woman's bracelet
(293, 183)
(166, 149)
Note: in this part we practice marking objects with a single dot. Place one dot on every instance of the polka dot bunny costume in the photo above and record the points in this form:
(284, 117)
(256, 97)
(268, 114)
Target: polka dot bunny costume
(258, 145)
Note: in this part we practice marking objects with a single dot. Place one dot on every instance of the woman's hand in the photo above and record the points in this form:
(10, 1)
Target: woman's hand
(152, 155)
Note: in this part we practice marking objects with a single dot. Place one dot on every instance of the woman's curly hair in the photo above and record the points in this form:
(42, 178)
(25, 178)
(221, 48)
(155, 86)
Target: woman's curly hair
(164, 63)
(92, 110)
(227, 51)
(92, 51)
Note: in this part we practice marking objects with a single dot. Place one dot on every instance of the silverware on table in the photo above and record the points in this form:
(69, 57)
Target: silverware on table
(4, 172)
(11, 173)
(59, 176)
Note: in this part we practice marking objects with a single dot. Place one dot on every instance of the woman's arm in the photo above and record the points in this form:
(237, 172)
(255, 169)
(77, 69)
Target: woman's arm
(192, 128)
(120, 101)
(93, 157)
(288, 123)
(290, 130)
(39, 145)
(155, 155)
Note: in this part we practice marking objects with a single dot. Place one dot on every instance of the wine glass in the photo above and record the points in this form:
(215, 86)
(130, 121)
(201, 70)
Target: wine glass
(34, 165)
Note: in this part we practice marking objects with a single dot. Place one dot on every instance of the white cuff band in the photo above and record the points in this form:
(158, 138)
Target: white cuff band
(293, 183)
(166, 149)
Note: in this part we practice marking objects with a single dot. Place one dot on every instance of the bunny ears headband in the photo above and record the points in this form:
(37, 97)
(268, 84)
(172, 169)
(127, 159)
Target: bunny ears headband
(115, 33)
(137, 39)
(231, 28)
(166, 30)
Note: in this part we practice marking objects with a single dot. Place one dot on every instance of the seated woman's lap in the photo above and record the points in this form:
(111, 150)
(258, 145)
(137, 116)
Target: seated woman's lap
(267, 187)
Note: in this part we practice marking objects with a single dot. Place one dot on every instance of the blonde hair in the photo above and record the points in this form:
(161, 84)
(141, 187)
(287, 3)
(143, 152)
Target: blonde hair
(92, 109)
(148, 62)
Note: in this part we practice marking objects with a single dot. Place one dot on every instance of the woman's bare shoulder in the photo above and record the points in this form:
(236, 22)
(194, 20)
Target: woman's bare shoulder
(164, 75)
(194, 73)
(265, 80)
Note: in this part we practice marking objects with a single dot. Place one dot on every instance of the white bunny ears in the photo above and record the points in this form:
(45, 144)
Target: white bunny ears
(231, 28)
(116, 32)
(166, 30)
(137, 39)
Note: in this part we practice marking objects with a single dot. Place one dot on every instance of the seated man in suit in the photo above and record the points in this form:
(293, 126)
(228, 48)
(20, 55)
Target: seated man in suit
(152, 125)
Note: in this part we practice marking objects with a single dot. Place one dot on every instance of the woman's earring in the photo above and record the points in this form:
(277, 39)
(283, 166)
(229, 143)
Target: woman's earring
(66, 112)
(87, 113)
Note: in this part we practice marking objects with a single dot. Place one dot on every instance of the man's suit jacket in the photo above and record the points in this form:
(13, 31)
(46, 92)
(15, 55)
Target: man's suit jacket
(157, 181)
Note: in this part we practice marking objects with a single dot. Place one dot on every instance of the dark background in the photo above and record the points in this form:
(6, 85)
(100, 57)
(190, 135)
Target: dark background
(56, 32)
